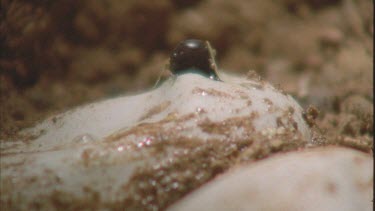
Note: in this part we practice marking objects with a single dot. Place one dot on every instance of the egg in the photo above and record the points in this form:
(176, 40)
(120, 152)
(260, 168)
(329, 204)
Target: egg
(172, 138)
(331, 178)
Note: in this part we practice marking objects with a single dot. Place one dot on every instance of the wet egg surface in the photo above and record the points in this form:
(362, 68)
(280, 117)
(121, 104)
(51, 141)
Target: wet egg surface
(145, 152)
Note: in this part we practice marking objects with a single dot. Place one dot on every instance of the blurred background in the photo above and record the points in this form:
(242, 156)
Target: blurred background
(63, 53)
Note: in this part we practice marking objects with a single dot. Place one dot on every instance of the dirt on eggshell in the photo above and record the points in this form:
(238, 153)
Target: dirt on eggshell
(174, 165)
(56, 55)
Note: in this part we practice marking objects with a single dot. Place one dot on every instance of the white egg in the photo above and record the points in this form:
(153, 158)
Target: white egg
(95, 150)
(331, 178)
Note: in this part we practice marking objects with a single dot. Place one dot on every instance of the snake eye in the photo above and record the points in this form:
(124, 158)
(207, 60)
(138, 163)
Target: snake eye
(193, 56)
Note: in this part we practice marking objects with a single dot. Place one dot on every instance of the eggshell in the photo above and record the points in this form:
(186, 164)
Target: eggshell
(330, 178)
(98, 148)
